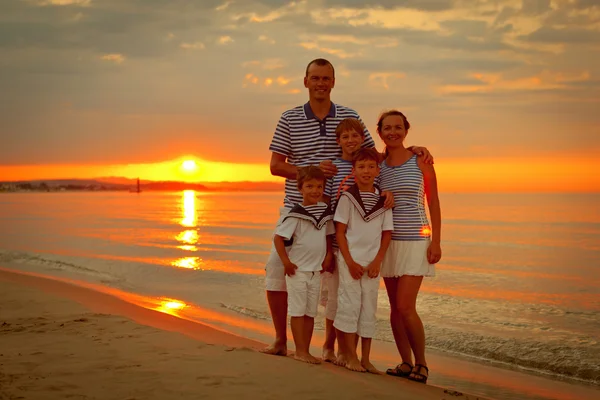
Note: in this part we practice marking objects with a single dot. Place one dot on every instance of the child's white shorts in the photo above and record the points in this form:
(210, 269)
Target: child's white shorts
(357, 302)
(330, 281)
(303, 293)
(274, 271)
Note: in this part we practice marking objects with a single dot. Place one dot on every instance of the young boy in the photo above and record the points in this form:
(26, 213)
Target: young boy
(350, 135)
(307, 232)
(363, 232)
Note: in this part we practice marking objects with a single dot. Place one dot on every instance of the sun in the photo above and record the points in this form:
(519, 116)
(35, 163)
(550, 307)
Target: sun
(189, 165)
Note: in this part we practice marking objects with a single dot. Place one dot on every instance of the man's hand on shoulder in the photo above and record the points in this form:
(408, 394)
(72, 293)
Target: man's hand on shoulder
(328, 168)
(422, 152)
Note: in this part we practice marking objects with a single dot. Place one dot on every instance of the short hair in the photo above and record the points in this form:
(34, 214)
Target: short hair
(350, 124)
(307, 173)
(386, 114)
(321, 62)
(366, 154)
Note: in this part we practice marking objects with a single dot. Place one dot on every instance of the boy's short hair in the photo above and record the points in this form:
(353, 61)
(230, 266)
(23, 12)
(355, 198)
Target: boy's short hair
(349, 124)
(366, 154)
(307, 173)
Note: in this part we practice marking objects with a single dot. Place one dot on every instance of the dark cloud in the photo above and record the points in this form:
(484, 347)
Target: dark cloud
(425, 5)
(570, 35)
(535, 7)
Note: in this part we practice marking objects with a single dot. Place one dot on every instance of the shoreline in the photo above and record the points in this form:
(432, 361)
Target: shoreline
(56, 335)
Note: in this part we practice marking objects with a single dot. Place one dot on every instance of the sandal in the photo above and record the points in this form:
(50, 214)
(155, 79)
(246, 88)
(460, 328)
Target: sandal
(416, 374)
(397, 371)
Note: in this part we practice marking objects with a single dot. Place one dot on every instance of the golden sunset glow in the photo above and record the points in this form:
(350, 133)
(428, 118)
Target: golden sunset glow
(170, 306)
(189, 166)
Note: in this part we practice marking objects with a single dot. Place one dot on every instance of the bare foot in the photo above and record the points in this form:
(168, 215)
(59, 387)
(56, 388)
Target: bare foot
(341, 360)
(329, 355)
(370, 368)
(307, 358)
(354, 365)
(275, 350)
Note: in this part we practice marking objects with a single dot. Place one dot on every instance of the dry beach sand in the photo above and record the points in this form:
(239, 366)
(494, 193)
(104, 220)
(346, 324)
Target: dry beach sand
(60, 341)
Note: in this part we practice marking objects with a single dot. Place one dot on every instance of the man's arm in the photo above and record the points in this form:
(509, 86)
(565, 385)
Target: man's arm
(280, 167)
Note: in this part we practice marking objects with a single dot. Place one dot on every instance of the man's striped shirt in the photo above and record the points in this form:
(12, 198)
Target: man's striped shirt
(306, 140)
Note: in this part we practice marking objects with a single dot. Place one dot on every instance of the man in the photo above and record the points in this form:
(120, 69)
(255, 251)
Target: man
(305, 135)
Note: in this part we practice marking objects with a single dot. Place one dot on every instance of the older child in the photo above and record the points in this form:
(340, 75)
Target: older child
(305, 230)
(363, 232)
(415, 246)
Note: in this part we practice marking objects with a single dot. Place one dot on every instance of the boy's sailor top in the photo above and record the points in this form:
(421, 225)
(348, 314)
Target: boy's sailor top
(307, 227)
(366, 219)
(368, 204)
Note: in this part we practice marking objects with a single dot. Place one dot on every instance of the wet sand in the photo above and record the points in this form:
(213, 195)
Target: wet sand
(59, 340)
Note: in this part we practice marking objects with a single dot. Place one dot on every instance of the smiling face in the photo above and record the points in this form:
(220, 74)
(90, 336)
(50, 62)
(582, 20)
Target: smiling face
(350, 141)
(393, 131)
(319, 81)
(365, 172)
(312, 191)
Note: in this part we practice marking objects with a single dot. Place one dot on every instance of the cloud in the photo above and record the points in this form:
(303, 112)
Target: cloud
(535, 7)
(225, 40)
(82, 3)
(571, 35)
(545, 80)
(425, 5)
(193, 46)
(115, 58)
(383, 78)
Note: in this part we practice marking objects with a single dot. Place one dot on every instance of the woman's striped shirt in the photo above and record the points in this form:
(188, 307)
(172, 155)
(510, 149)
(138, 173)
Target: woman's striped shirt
(406, 183)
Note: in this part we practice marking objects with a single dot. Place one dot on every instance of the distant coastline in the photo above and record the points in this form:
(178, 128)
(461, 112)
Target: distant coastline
(114, 184)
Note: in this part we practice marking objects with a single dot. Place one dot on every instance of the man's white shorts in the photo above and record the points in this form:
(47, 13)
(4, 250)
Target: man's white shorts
(330, 282)
(303, 293)
(357, 302)
(275, 274)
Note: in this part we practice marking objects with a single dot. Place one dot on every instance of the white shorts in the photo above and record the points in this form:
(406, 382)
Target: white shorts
(357, 302)
(274, 271)
(303, 293)
(407, 257)
(329, 289)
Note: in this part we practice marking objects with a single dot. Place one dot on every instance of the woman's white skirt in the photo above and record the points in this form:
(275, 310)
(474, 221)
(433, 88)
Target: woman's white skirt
(407, 257)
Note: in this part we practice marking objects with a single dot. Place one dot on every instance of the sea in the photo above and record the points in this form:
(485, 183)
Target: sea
(516, 294)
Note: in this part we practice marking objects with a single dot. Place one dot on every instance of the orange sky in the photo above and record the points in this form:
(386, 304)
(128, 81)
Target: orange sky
(570, 174)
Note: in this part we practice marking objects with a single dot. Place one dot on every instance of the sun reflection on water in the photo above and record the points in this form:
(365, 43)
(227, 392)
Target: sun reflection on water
(188, 262)
(188, 207)
(170, 306)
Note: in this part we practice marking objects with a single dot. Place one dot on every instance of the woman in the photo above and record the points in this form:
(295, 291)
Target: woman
(415, 246)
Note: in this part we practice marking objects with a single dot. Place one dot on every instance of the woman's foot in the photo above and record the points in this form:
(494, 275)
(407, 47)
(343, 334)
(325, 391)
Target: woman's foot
(402, 370)
(420, 373)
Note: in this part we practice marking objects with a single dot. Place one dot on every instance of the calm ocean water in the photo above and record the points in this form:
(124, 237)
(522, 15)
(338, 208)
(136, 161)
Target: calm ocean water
(519, 282)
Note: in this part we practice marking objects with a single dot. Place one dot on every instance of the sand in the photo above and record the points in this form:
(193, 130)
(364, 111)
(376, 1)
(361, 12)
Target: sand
(60, 341)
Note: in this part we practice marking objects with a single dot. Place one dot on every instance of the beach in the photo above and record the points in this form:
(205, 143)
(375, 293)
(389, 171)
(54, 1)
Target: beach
(62, 341)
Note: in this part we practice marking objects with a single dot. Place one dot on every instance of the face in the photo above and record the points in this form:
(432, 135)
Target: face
(392, 131)
(350, 141)
(365, 171)
(319, 82)
(312, 191)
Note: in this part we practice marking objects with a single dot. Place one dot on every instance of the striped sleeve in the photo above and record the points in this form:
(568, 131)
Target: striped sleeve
(368, 142)
(328, 188)
(282, 142)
